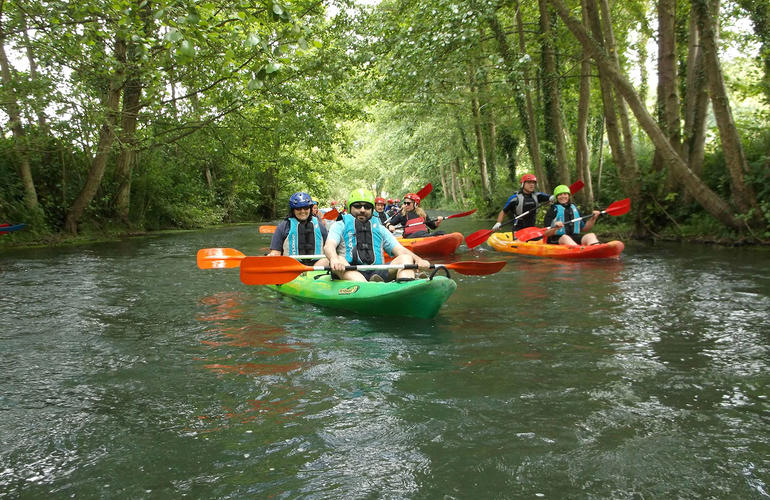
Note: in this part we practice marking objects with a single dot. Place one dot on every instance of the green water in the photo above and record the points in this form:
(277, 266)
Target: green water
(129, 373)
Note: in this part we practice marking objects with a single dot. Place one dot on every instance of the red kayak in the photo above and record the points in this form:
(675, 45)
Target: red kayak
(443, 244)
(504, 242)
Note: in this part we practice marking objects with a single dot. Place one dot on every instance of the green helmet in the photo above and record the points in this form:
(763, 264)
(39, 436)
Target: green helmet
(360, 195)
(561, 188)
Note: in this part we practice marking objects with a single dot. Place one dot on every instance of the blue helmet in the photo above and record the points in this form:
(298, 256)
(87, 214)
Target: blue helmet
(300, 200)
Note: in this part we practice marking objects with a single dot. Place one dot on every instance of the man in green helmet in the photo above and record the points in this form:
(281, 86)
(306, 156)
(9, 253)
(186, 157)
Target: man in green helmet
(360, 238)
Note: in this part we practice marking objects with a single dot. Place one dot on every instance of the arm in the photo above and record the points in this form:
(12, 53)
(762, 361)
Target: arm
(396, 249)
(336, 262)
(588, 225)
(279, 235)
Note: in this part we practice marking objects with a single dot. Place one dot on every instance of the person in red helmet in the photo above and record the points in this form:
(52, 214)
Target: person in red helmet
(415, 221)
(524, 201)
(379, 209)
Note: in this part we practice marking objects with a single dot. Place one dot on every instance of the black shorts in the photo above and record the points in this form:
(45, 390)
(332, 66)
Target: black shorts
(577, 238)
(384, 273)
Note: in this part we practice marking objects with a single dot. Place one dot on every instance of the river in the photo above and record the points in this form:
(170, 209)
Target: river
(129, 373)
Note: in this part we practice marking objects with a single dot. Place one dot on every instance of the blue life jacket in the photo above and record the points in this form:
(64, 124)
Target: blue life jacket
(291, 243)
(374, 245)
(560, 215)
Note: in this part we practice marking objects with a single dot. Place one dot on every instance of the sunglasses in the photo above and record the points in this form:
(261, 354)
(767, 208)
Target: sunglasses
(408, 203)
(359, 206)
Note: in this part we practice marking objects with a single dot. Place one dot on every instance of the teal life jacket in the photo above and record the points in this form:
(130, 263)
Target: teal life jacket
(292, 245)
(364, 245)
(562, 216)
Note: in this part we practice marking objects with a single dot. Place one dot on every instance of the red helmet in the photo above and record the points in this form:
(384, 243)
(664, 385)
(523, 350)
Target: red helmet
(527, 178)
(390, 201)
(379, 199)
(413, 197)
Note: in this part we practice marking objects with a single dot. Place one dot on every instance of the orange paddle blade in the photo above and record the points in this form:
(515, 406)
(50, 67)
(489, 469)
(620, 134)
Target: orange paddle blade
(332, 214)
(475, 267)
(463, 214)
(529, 233)
(219, 258)
(477, 238)
(425, 191)
(267, 229)
(619, 207)
(270, 270)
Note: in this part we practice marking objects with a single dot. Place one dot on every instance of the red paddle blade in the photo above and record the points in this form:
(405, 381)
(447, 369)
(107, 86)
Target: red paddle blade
(270, 270)
(422, 193)
(576, 186)
(529, 233)
(619, 207)
(475, 267)
(463, 214)
(219, 258)
(475, 239)
(332, 214)
(267, 229)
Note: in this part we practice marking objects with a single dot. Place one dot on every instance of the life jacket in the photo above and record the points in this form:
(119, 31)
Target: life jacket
(414, 225)
(519, 199)
(303, 244)
(562, 216)
(362, 242)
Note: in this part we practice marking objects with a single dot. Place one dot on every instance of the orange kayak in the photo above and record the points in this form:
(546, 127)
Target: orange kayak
(504, 242)
(443, 244)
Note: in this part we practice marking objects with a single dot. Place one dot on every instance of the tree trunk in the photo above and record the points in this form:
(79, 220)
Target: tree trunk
(554, 129)
(735, 160)
(695, 103)
(481, 150)
(701, 193)
(584, 101)
(106, 138)
(668, 91)
(11, 107)
(510, 144)
(33, 76)
(132, 95)
(533, 143)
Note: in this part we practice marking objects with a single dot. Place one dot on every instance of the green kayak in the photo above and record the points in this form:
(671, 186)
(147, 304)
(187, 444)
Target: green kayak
(421, 298)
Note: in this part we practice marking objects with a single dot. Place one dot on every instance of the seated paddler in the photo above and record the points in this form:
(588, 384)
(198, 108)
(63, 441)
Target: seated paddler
(359, 239)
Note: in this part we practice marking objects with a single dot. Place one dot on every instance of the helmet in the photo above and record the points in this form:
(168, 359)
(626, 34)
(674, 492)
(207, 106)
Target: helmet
(527, 178)
(379, 199)
(390, 201)
(413, 197)
(334, 202)
(561, 188)
(300, 200)
(362, 195)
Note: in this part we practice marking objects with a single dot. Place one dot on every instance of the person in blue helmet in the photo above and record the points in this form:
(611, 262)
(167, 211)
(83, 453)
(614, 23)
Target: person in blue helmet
(360, 238)
(563, 211)
(300, 233)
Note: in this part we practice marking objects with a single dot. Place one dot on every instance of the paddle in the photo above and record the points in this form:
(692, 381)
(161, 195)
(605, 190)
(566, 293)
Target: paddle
(282, 269)
(422, 193)
(619, 207)
(477, 238)
(332, 214)
(226, 258)
(267, 229)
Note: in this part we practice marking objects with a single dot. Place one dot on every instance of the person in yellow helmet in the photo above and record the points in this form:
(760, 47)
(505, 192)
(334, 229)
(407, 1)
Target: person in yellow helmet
(360, 238)
(562, 211)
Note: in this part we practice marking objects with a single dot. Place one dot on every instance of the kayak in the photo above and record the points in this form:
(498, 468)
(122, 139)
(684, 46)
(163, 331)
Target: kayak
(7, 228)
(443, 244)
(504, 242)
(420, 298)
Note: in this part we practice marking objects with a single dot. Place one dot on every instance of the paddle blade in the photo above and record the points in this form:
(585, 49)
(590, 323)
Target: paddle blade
(619, 207)
(267, 229)
(529, 233)
(475, 239)
(270, 270)
(422, 193)
(576, 186)
(219, 258)
(463, 214)
(332, 214)
(475, 267)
